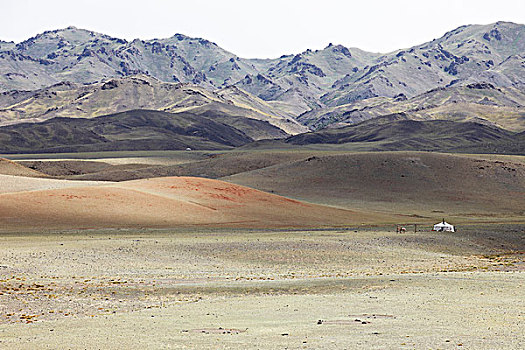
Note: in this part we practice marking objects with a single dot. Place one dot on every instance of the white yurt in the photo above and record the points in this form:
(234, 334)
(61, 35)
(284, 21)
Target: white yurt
(444, 226)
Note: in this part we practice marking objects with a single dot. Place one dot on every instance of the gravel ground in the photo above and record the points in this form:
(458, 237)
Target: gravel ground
(241, 289)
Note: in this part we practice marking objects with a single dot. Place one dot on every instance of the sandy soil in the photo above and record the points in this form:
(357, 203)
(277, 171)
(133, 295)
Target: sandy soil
(13, 184)
(422, 186)
(174, 160)
(119, 157)
(8, 167)
(166, 202)
(263, 289)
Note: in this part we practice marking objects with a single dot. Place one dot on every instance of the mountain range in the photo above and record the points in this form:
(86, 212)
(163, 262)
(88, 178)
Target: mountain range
(137, 92)
(332, 76)
(474, 73)
(480, 102)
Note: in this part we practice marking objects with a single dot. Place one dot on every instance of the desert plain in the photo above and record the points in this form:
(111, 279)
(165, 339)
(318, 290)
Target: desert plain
(263, 249)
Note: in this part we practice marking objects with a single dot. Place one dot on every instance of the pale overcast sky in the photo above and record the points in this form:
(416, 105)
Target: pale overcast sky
(267, 28)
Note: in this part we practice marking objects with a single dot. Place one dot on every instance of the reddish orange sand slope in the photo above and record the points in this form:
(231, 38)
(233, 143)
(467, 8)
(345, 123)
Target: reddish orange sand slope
(165, 202)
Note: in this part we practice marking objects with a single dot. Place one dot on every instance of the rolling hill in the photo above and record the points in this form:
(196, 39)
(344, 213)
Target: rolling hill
(420, 183)
(400, 132)
(214, 166)
(8, 167)
(166, 202)
(415, 185)
(134, 130)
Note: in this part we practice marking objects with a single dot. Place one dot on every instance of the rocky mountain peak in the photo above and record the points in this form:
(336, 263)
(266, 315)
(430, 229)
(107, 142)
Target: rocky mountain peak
(334, 76)
(341, 49)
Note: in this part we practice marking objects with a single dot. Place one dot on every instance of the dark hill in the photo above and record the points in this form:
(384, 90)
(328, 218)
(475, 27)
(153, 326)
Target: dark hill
(425, 183)
(399, 133)
(430, 132)
(132, 130)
